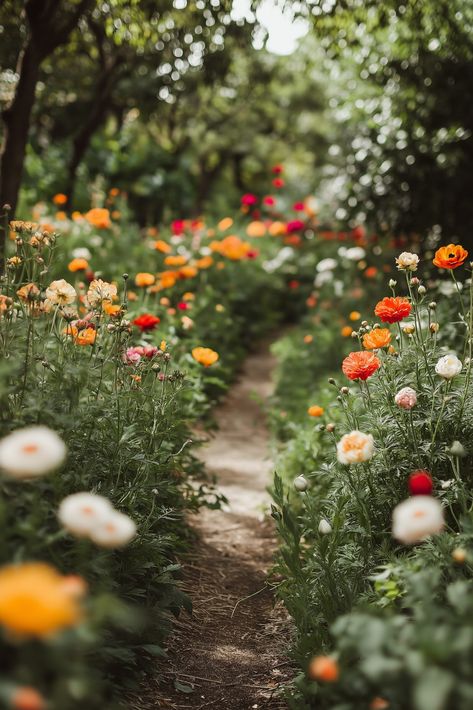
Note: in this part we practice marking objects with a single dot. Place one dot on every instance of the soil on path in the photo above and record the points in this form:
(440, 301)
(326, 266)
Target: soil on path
(230, 653)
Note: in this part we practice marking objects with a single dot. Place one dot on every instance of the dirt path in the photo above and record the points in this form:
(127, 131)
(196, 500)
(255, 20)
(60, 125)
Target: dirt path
(230, 654)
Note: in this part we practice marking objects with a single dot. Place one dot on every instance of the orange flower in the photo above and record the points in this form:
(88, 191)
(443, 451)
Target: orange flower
(308, 339)
(60, 199)
(162, 246)
(225, 224)
(188, 272)
(25, 698)
(324, 668)
(34, 600)
(355, 315)
(205, 356)
(393, 309)
(277, 228)
(110, 309)
(78, 265)
(28, 292)
(98, 217)
(204, 263)
(177, 260)
(61, 216)
(188, 296)
(450, 257)
(85, 337)
(256, 229)
(114, 192)
(379, 703)
(144, 279)
(371, 272)
(377, 338)
(315, 411)
(346, 331)
(167, 279)
(360, 365)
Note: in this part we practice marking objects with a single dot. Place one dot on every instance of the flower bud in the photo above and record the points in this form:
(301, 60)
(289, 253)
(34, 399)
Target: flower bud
(457, 449)
(345, 390)
(324, 527)
(459, 555)
(434, 327)
(301, 483)
(408, 329)
(432, 305)
(392, 283)
(422, 290)
(330, 427)
(415, 281)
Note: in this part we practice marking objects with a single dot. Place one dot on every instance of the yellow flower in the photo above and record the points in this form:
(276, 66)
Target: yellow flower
(205, 356)
(35, 600)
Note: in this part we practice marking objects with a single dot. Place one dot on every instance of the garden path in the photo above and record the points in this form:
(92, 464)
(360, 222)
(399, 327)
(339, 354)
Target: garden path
(230, 653)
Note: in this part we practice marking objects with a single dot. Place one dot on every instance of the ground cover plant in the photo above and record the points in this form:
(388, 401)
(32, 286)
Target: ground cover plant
(375, 550)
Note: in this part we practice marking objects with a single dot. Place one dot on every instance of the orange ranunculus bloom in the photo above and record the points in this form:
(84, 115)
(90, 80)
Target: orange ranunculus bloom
(176, 260)
(204, 263)
(205, 356)
(34, 600)
(371, 272)
(234, 248)
(114, 192)
(308, 338)
(188, 272)
(78, 265)
(111, 309)
(188, 296)
(61, 216)
(167, 279)
(355, 315)
(162, 246)
(277, 228)
(377, 338)
(225, 224)
(315, 411)
(60, 199)
(360, 365)
(324, 668)
(26, 698)
(393, 309)
(85, 337)
(450, 257)
(144, 279)
(256, 229)
(98, 217)
(346, 331)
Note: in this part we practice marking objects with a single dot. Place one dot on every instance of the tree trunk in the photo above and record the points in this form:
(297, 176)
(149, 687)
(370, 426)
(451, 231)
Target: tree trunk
(17, 120)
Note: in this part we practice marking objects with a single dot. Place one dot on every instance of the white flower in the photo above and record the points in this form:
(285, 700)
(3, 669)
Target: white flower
(324, 527)
(407, 261)
(355, 254)
(416, 518)
(82, 253)
(100, 291)
(30, 452)
(323, 278)
(60, 293)
(116, 530)
(448, 366)
(80, 513)
(355, 447)
(326, 265)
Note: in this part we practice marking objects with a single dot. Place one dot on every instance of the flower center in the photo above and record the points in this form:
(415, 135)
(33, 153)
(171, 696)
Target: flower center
(30, 448)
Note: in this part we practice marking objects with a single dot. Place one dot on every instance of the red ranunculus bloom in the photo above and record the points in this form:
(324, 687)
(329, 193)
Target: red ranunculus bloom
(278, 182)
(360, 365)
(393, 309)
(277, 169)
(177, 226)
(182, 305)
(249, 200)
(252, 254)
(420, 483)
(146, 322)
(294, 225)
(298, 206)
(269, 201)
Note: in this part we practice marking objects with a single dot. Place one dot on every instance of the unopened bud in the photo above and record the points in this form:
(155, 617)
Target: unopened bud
(324, 527)
(434, 327)
(459, 555)
(432, 305)
(422, 290)
(301, 483)
(392, 283)
(457, 449)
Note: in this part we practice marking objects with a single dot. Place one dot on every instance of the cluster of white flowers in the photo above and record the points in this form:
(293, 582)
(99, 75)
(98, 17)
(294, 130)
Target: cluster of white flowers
(92, 516)
(352, 253)
(31, 452)
(274, 264)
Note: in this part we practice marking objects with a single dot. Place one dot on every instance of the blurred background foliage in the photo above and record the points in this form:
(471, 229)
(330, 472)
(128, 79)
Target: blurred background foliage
(180, 104)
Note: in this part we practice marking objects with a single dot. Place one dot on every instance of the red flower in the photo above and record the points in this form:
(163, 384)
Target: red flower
(249, 200)
(277, 169)
(298, 206)
(358, 233)
(146, 322)
(420, 483)
(293, 284)
(252, 254)
(294, 225)
(278, 182)
(360, 365)
(269, 201)
(393, 309)
(182, 305)
(256, 214)
(177, 226)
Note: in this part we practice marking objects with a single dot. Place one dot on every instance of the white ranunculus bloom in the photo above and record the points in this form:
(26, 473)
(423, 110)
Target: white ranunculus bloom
(326, 265)
(60, 293)
(80, 513)
(416, 518)
(116, 530)
(31, 452)
(355, 254)
(82, 253)
(324, 527)
(355, 447)
(448, 367)
(407, 261)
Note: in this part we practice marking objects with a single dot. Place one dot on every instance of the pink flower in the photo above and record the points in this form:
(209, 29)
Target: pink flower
(249, 200)
(269, 201)
(177, 226)
(132, 356)
(294, 225)
(406, 398)
(182, 306)
(298, 207)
